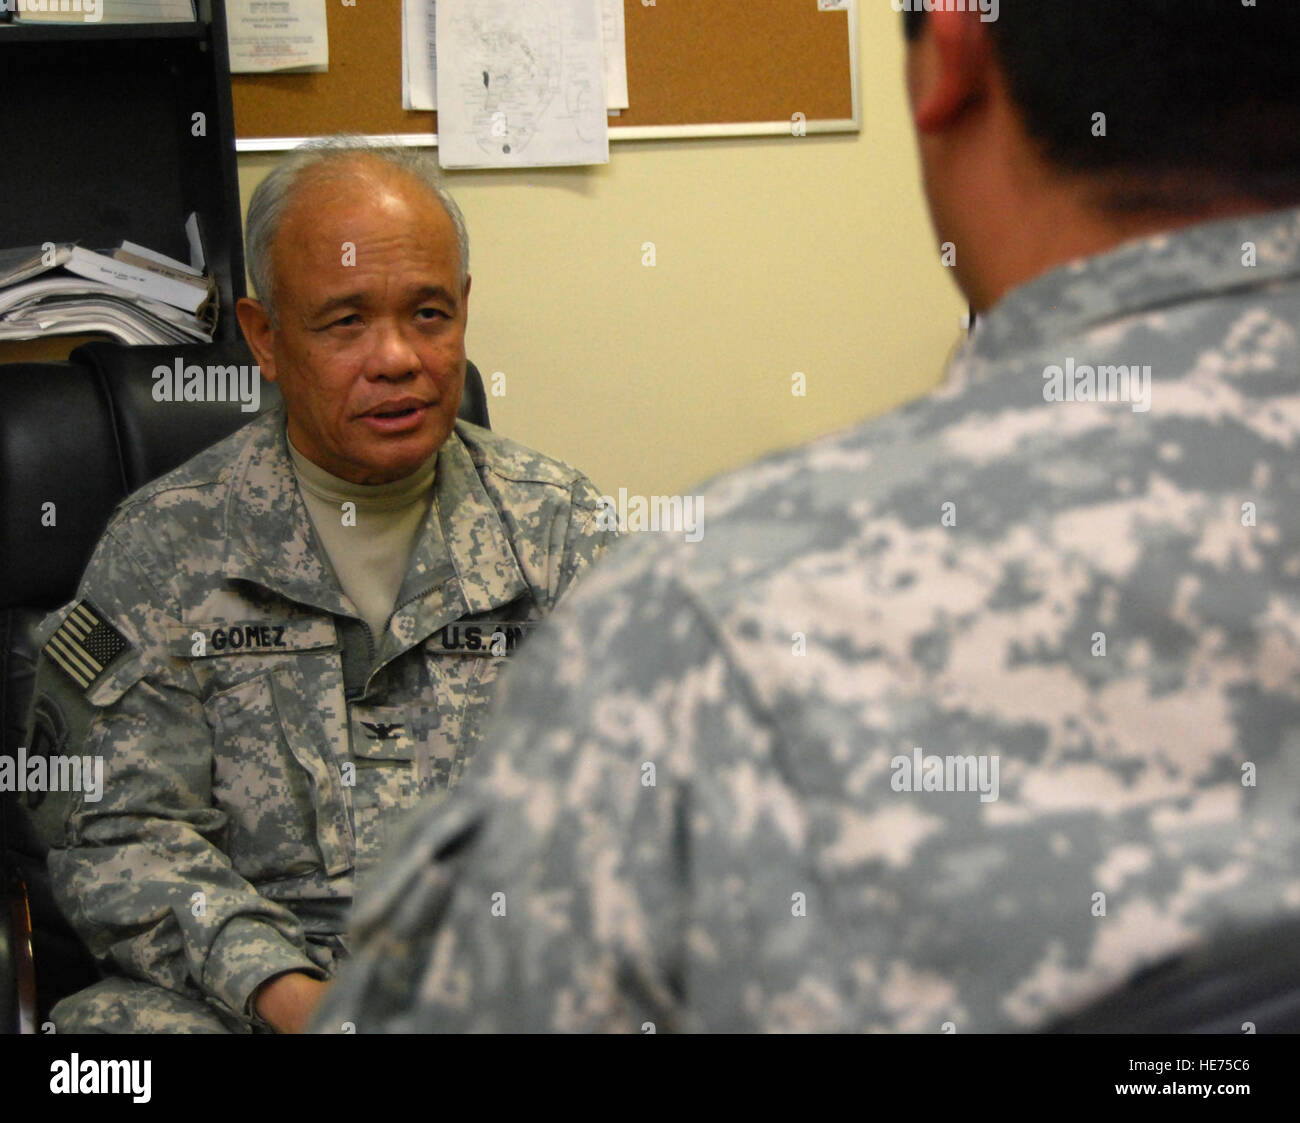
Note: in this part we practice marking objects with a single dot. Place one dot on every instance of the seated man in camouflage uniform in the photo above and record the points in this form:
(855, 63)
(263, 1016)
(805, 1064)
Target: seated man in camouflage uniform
(300, 628)
(958, 718)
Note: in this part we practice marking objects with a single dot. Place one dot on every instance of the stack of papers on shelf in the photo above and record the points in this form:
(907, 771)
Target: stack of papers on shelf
(102, 11)
(133, 295)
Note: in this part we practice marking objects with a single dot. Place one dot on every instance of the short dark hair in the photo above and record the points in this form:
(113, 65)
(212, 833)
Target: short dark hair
(1201, 97)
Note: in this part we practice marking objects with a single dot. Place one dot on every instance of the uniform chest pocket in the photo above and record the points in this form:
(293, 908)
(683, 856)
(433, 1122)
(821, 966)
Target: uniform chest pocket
(387, 781)
(462, 688)
(276, 778)
(484, 674)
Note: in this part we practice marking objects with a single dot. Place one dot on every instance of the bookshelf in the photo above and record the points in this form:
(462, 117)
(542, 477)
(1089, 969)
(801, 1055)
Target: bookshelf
(97, 144)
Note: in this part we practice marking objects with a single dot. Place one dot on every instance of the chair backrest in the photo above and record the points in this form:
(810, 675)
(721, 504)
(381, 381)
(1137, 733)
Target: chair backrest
(76, 438)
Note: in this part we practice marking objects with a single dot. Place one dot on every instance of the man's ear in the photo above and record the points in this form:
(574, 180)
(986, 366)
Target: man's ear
(259, 333)
(949, 69)
(464, 296)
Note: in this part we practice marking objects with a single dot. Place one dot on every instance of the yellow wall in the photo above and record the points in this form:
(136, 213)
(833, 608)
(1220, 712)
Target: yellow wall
(774, 255)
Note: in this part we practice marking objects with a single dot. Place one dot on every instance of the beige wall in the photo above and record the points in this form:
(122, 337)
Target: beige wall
(774, 255)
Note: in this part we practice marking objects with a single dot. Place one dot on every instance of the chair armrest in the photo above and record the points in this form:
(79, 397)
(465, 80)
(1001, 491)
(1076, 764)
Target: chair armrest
(17, 971)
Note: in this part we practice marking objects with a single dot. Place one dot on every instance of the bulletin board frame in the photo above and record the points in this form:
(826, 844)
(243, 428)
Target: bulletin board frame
(617, 132)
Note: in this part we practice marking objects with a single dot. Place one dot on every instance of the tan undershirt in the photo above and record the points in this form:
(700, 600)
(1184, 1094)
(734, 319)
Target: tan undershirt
(370, 557)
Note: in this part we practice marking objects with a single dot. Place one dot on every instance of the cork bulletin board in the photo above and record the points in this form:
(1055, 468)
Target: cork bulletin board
(694, 68)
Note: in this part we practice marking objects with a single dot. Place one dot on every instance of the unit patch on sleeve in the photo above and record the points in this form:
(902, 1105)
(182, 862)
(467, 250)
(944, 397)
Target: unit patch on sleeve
(84, 645)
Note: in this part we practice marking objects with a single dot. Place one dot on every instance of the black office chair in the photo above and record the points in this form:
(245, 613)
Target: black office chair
(80, 435)
(1245, 980)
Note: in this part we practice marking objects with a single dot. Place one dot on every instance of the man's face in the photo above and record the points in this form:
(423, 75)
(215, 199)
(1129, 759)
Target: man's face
(370, 348)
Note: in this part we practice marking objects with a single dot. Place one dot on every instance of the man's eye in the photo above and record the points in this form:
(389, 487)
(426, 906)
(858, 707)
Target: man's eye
(431, 314)
(346, 321)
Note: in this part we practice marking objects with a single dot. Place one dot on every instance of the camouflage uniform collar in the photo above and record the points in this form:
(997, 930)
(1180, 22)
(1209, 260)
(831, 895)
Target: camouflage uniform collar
(462, 560)
(270, 540)
(1193, 262)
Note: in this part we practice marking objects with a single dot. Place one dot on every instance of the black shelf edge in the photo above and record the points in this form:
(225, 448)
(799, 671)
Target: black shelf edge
(99, 32)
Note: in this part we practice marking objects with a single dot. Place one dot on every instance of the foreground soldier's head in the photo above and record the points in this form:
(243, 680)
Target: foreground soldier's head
(1056, 131)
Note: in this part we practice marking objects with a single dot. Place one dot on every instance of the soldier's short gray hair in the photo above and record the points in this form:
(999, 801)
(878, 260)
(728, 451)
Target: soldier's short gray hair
(271, 197)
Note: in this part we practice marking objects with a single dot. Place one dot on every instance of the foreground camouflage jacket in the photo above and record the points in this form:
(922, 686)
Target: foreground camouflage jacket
(949, 723)
(258, 741)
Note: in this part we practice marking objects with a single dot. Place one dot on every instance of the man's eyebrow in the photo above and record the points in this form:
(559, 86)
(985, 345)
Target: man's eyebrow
(437, 292)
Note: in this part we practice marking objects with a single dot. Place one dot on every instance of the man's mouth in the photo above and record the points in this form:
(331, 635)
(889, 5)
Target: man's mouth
(396, 416)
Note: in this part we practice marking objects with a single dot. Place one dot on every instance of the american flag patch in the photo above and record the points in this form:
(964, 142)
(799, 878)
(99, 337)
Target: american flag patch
(85, 645)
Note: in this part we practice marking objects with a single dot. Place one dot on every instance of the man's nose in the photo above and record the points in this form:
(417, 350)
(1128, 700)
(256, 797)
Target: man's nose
(393, 355)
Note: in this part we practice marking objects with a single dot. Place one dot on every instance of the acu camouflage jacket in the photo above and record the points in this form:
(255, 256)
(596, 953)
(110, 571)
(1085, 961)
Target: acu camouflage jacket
(257, 739)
